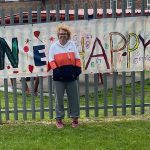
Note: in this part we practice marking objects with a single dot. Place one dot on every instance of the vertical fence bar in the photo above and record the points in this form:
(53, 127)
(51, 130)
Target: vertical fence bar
(23, 83)
(124, 6)
(76, 10)
(143, 2)
(40, 78)
(96, 94)
(2, 17)
(32, 97)
(105, 94)
(67, 19)
(133, 8)
(6, 99)
(123, 93)
(31, 78)
(11, 17)
(104, 9)
(14, 79)
(39, 15)
(15, 99)
(105, 100)
(57, 12)
(96, 76)
(85, 11)
(123, 73)
(86, 75)
(133, 93)
(66, 12)
(20, 16)
(133, 72)
(114, 73)
(76, 18)
(50, 97)
(142, 91)
(23, 80)
(95, 10)
(30, 16)
(47, 13)
(114, 98)
(50, 90)
(114, 9)
(87, 95)
(41, 98)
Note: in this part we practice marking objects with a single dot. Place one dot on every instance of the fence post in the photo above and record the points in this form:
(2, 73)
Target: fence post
(133, 72)
(86, 75)
(143, 72)
(41, 97)
(114, 73)
(96, 75)
(14, 84)
(40, 77)
(143, 2)
(124, 73)
(50, 89)
(67, 19)
(6, 98)
(105, 100)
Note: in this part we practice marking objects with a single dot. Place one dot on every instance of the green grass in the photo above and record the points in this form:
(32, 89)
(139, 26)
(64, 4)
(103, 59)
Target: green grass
(113, 133)
(90, 135)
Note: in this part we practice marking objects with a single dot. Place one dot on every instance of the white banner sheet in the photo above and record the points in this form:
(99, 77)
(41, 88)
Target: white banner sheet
(105, 45)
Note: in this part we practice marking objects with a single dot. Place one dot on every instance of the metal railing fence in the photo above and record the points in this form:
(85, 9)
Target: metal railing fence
(95, 100)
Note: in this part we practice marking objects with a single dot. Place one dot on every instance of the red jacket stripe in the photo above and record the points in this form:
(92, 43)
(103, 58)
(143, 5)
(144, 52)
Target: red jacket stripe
(53, 64)
(78, 63)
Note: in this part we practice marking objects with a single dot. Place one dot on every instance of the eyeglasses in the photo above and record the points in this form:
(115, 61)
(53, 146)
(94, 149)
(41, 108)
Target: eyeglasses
(62, 34)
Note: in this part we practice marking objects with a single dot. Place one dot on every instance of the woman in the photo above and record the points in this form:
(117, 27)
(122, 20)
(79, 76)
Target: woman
(64, 59)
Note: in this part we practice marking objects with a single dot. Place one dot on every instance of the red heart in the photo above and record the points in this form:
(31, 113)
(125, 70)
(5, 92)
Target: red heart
(36, 34)
(26, 49)
(30, 67)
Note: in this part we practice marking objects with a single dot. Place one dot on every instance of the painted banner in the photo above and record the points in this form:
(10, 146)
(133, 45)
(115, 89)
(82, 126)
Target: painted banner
(105, 45)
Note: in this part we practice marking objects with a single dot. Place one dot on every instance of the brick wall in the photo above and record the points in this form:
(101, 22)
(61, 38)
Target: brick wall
(90, 3)
(52, 3)
(7, 6)
(119, 3)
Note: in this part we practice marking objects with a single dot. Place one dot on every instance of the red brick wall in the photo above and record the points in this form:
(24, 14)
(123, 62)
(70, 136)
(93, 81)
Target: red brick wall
(7, 6)
(119, 3)
(100, 3)
(52, 3)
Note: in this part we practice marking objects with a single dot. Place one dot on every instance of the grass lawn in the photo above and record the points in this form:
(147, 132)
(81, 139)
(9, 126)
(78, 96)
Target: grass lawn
(104, 134)
(113, 133)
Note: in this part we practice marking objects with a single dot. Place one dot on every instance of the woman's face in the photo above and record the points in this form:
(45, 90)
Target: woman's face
(63, 37)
